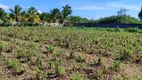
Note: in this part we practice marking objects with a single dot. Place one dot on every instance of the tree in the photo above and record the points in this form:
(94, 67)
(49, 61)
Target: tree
(33, 15)
(140, 14)
(45, 17)
(16, 13)
(55, 15)
(2, 14)
(78, 19)
(65, 13)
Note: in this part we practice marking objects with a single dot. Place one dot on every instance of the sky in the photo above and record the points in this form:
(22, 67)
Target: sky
(91, 9)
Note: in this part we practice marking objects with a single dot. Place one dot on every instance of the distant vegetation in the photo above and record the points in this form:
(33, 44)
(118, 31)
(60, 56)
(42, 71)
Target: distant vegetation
(19, 16)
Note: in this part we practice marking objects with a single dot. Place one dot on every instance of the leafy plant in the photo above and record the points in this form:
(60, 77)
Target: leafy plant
(38, 73)
(59, 69)
(100, 61)
(116, 65)
(80, 58)
(32, 52)
(100, 74)
(76, 76)
(21, 54)
(71, 56)
(50, 48)
(1, 47)
(15, 64)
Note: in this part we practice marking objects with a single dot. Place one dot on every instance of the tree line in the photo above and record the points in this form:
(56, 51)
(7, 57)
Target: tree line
(32, 17)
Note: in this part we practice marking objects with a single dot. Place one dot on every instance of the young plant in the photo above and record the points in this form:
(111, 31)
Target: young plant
(116, 65)
(38, 73)
(59, 69)
(1, 47)
(80, 59)
(100, 61)
(100, 74)
(21, 54)
(71, 56)
(50, 48)
(39, 62)
(76, 76)
(127, 53)
(15, 64)
(32, 52)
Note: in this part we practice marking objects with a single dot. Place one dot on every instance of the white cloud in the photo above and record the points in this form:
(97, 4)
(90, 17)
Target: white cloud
(127, 6)
(5, 7)
(90, 8)
(39, 11)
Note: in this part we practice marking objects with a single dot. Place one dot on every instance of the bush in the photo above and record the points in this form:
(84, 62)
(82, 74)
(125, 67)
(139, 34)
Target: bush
(132, 29)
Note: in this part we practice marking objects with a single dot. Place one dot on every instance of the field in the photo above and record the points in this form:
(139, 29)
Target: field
(45, 53)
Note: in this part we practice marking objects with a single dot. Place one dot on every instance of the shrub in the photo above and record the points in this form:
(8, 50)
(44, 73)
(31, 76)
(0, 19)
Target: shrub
(132, 29)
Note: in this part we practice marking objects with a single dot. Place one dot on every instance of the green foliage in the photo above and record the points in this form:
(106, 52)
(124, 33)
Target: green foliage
(118, 19)
(32, 52)
(59, 69)
(116, 65)
(76, 76)
(50, 48)
(21, 54)
(71, 56)
(100, 74)
(127, 53)
(100, 61)
(38, 73)
(132, 29)
(80, 58)
(1, 47)
(16, 65)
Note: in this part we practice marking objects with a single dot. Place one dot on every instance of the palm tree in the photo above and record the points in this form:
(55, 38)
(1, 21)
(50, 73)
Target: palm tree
(65, 13)
(2, 16)
(16, 13)
(55, 15)
(45, 17)
(33, 15)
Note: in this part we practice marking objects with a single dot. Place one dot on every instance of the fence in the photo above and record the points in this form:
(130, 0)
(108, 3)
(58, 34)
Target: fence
(107, 25)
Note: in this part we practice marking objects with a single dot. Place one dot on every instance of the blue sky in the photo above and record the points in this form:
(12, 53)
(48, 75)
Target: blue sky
(92, 9)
